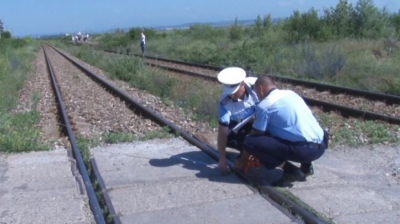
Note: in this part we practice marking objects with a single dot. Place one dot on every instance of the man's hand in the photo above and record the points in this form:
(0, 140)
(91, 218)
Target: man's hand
(223, 165)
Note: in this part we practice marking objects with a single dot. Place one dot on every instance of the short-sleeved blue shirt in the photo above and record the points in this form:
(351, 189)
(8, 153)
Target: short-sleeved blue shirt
(233, 111)
(286, 116)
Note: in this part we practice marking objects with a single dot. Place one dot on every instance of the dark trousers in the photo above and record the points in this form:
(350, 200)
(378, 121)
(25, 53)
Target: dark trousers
(143, 47)
(235, 141)
(272, 152)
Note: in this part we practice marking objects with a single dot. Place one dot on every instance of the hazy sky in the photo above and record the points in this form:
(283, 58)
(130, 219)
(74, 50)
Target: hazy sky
(31, 17)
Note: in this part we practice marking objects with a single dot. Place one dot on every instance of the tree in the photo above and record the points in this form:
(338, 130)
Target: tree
(267, 22)
(1, 26)
(395, 22)
(302, 26)
(235, 31)
(258, 25)
(339, 19)
(6, 35)
(368, 21)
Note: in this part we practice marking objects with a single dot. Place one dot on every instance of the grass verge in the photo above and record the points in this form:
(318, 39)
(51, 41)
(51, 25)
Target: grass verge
(18, 131)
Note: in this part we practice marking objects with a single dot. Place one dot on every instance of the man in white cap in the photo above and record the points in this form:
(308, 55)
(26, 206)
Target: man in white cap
(237, 103)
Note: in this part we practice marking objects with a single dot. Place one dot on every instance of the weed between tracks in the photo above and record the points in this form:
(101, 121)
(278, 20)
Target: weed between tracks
(303, 205)
(117, 137)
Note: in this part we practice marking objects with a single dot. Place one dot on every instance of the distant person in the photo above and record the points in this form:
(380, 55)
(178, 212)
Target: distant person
(284, 130)
(237, 104)
(143, 42)
(74, 38)
(85, 37)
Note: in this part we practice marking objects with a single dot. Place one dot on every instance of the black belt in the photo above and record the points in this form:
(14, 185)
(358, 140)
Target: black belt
(308, 144)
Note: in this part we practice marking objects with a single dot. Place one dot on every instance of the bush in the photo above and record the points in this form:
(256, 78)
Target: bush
(327, 63)
(109, 41)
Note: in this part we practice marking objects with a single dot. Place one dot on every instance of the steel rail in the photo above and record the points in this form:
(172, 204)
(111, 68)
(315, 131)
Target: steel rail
(275, 195)
(102, 185)
(387, 98)
(93, 202)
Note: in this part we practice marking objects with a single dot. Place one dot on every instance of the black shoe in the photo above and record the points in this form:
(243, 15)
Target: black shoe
(290, 174)
(307, 169)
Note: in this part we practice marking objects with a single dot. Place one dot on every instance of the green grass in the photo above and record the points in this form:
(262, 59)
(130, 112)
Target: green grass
(18, 131)
(369, 64)
(355, 132)
(119, 137)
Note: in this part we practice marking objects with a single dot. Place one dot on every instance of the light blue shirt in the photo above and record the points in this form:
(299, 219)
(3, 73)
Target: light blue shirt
(143, 38)
(286, 116)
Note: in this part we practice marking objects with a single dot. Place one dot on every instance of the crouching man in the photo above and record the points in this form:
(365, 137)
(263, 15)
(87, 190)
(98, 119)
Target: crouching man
(284, 130)
(236, 107)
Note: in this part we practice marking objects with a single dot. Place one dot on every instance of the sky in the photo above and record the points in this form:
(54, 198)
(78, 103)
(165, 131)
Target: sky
(38, 17)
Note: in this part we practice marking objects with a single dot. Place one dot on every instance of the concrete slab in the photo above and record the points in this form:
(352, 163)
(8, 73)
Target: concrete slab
(169, 181)
(39, 187)
(233, 211)
(350, 185)
(354, 186)
(344, 200)
(163, 195)
(392, 217)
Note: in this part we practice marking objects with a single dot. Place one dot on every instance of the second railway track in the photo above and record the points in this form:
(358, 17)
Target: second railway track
(348, 102)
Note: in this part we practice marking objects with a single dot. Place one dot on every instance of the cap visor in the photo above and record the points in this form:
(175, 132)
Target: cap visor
(230, 90)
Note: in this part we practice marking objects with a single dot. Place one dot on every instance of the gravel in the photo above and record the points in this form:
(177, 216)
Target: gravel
(92, 110)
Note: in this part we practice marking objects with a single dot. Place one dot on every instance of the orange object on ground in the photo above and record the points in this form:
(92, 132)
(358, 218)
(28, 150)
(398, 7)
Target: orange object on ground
(252, 162)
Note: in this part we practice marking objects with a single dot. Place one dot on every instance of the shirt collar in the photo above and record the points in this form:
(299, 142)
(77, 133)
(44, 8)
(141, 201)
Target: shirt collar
(269, 92)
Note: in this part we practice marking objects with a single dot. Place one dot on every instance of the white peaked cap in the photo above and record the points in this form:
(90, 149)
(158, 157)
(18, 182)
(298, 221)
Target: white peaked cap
(231, 78)
(251, 80)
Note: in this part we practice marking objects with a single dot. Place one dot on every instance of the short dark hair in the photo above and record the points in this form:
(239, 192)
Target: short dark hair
(265, 80)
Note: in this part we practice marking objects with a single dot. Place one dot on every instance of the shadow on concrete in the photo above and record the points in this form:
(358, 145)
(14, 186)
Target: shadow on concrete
(197, 160)
(208, 168)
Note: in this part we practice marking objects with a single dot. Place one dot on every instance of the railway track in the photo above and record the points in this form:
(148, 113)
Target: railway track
(93, 201)
(348, 102)
(74, 123)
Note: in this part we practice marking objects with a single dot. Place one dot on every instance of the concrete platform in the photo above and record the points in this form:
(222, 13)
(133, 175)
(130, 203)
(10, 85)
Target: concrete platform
(169, 181)
(354, 187)
(350, 185)
(40, 187)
